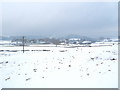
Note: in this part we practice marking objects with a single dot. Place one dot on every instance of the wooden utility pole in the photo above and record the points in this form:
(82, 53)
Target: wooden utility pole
(23, 43)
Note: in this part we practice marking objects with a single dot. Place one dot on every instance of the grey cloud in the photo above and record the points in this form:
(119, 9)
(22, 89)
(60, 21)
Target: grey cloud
(60, 18)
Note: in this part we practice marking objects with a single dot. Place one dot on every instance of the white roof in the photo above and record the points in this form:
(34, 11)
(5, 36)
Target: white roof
(74, 39)
(86, 42)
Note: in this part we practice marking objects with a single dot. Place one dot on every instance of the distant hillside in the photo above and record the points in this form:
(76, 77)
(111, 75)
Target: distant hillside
(79, 36)
(19, 37)
(43, 37)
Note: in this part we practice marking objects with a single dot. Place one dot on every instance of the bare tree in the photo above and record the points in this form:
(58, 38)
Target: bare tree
(55, 41)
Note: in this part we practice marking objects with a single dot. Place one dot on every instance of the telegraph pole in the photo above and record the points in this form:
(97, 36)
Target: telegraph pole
(23, 43)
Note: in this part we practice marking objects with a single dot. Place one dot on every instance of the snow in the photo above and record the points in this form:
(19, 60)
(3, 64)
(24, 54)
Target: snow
(59, 67)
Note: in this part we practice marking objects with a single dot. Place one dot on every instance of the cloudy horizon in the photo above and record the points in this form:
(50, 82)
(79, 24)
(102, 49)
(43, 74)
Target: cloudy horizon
(59, 19)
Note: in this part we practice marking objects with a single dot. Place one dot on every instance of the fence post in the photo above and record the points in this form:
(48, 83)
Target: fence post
(23, 43)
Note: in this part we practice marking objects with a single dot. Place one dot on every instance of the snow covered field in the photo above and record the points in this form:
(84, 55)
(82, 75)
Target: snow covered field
(59, 67)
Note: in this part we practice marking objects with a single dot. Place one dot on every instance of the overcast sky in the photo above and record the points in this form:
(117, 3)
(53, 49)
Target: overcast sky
(58, 19)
